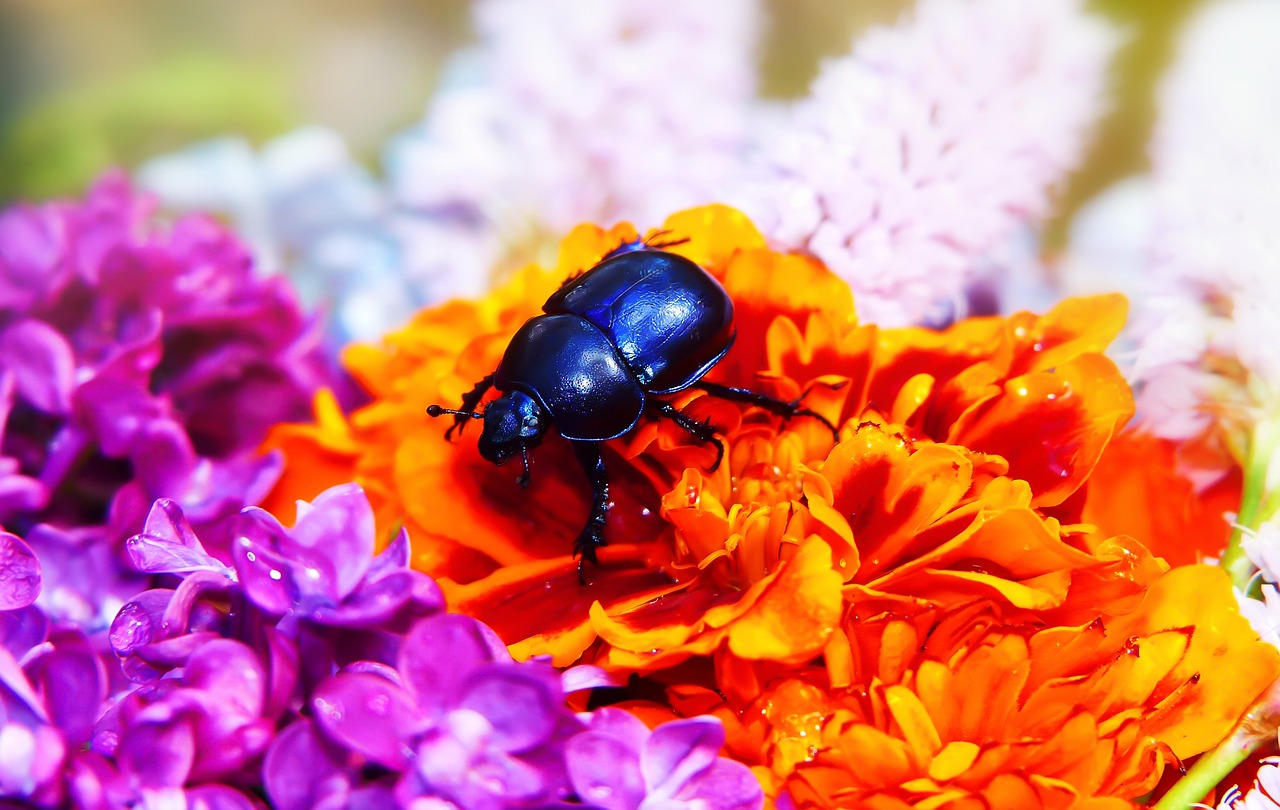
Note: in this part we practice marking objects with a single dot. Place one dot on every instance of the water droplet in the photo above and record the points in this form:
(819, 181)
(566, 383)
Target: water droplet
(250, 556)
(276, 575)
(378, 705)
(599, 791)
(333, 711)
(645, 512)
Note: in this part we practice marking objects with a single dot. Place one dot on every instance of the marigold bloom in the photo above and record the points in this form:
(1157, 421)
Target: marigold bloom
(974, 708)
(950, 442)
(951, 509)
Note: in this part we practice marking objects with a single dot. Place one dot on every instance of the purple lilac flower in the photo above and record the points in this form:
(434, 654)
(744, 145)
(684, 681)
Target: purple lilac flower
(332, 677)
(52, 683)
(137, 361)
(619, 764)
(918, 157)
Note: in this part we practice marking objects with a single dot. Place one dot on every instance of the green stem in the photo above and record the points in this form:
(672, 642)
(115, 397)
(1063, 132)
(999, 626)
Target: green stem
(1262, 445)
(1210, 770)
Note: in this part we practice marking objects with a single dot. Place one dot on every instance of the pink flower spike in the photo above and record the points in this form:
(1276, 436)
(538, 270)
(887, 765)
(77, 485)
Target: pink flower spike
(922, 154)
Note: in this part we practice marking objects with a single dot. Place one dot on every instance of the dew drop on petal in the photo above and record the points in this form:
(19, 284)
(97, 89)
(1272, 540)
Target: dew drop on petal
(599, 792)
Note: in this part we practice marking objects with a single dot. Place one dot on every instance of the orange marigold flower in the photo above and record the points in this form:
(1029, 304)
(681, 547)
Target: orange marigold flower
(931, 609)
(959, 453)
(972, 708)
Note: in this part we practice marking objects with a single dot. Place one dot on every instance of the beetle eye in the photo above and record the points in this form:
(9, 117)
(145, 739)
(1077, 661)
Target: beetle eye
(529, 423)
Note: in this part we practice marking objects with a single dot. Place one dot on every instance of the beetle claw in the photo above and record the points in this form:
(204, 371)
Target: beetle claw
(584, 548)
(715, 465)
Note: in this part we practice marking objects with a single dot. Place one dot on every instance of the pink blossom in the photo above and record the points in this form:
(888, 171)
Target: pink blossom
(917, 157)
(570, 111)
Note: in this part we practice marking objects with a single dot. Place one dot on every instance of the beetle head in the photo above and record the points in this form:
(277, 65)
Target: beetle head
(513, 423)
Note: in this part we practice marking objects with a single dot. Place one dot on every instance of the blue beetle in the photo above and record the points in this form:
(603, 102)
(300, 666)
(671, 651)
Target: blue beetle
(640, 324)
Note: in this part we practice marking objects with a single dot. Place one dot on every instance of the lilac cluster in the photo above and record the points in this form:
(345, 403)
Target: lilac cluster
(136, 362)
(316, 674)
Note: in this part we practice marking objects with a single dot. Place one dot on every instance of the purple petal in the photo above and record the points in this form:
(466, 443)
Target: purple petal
(605, 771)
(157, 754)
(151, 555)
(13, 678)
(117, 410)
(167, 544)
(385, 671)
(218, 797)
(575, 679)
(159, 630)
(94, 784)
(43, 364)
(726, 785)
(395, 556)
(369, 797)
(438, 657)
(22, 629)
(282, 672)
(370, 716)
(232, 671)
(30, 758)
(163, 458)
(678, 751)
(621, 725)
(340, 524)
(374, 603)
(74, 683)
(522, 702)
(19, 573)
(18, 492)
(457, 762)
(84, 584)
(278, 583)
(32, 243)
(299, 769)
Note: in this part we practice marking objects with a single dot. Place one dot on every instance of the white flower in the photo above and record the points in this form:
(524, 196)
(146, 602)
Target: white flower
(919, 155)
(1214, 253)
(1265, 793)
(309, 209)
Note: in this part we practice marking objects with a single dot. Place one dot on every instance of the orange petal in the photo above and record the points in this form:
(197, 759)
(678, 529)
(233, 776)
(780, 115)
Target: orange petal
(541, 607)
(1052, 426)
(1136, 490)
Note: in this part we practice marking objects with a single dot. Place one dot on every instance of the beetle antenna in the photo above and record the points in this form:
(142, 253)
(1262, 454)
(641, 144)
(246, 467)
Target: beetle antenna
(436, 410)
(656, 242)
(523, 480)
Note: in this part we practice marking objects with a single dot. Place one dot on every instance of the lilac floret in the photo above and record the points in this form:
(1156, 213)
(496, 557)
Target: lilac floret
(322, 675)
(138, 360)
(618, 764)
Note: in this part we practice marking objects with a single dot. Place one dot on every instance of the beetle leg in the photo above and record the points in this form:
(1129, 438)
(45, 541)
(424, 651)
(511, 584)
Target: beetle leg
(780, 407)
(469, 402)
(702, 431)
(592, 535)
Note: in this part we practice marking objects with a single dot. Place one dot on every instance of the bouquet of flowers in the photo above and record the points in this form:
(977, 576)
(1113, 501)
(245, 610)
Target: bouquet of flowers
(929, 517)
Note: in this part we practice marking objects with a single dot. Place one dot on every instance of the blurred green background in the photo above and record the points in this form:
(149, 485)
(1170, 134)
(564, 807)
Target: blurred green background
(86, 84)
